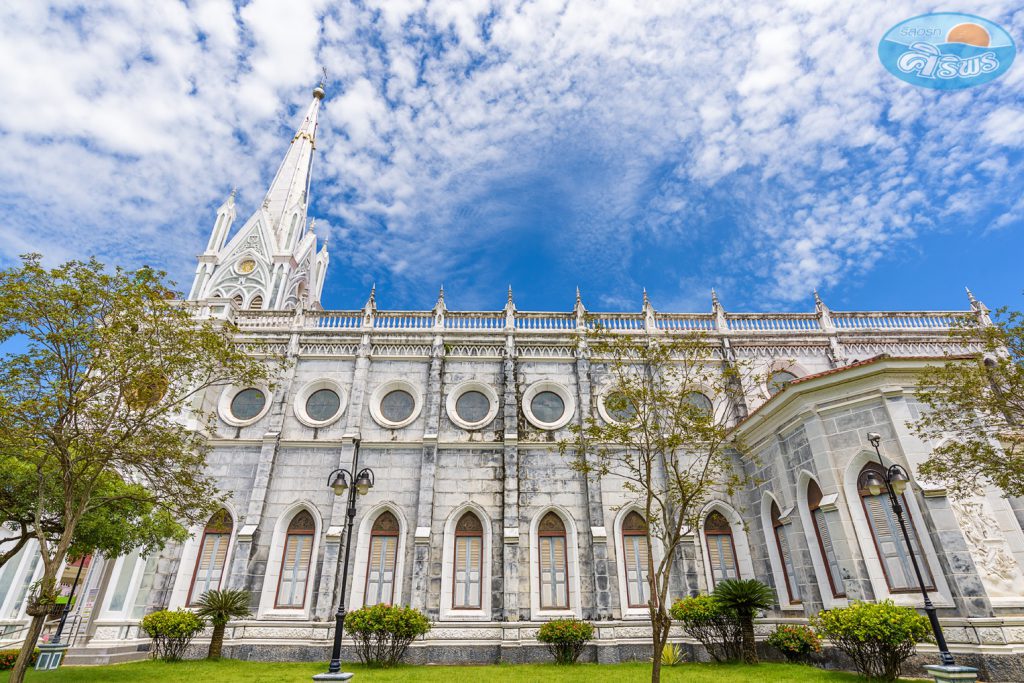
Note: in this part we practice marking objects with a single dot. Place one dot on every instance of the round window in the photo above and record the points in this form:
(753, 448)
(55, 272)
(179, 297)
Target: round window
(778, 381)
(619, 408)
(322, 405)
(397, 405)
(247, 404)
(699, 401)
(547, 406)
(472, 406)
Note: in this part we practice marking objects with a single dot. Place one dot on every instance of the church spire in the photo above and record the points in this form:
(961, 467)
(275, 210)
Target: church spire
(287, 199)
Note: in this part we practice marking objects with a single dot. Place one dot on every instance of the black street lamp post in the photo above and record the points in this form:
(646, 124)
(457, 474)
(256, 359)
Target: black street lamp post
(341, 480)
(895, 483)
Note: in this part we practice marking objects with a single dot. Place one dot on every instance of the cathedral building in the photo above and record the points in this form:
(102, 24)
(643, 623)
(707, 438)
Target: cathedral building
(474, 517)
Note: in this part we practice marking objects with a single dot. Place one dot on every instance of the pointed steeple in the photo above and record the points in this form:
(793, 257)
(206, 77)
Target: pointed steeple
(287, 199)
(981, 311)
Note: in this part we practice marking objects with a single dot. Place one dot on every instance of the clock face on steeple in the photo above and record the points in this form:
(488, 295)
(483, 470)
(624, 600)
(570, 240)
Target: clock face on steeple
(246, 266)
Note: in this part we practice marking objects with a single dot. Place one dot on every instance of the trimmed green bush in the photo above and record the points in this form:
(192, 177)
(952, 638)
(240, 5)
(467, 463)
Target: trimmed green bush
(796, 642)
(383, 632)
(8, 657)
(171, 632)
(705, 620)
(878, 636)
(566, 638)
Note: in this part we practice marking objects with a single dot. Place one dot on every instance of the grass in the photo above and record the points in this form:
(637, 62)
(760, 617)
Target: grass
(230, 671)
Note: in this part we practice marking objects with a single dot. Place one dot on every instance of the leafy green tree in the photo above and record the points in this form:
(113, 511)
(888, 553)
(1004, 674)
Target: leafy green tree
(100, 406)
(668, 400)
(220, 607)
(974, 411)
(744, 598)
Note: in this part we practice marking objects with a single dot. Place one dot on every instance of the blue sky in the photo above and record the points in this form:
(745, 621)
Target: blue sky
(761, 150)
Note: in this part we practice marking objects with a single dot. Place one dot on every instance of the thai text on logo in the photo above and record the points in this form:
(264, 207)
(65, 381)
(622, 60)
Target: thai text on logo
(946, 50)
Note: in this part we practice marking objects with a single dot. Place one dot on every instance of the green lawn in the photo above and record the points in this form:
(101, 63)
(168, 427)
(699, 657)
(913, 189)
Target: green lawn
(228, 671)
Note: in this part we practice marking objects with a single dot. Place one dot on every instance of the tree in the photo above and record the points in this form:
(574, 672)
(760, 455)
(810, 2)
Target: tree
(102, 408)
(974, 411)
(745, 598)
(220, 607)
(665, 441)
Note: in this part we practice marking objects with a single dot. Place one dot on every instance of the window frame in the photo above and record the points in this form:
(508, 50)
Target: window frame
(779, 528)
(564, 535)
(623, 533)
(930, 584)
(814, 509)
(374, 533)
(480, 561)
(707, 544)
(199, 554)
(311, 533)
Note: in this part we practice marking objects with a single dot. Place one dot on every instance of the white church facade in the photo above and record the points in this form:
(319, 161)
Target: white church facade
(475, 519)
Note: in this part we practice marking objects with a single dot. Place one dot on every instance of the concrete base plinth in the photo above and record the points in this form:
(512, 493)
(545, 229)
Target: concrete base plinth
(50, 656)
(340, 676)
(942, 673)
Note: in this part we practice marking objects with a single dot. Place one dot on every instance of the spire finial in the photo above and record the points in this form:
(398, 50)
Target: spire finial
(372, 301)
(440, 293)
(579, 300)
(509, 301)
(312, 224)
(318, 91)
(234, 191)
(714, 298)
(817, 299)
(647, 301)
(970, 296)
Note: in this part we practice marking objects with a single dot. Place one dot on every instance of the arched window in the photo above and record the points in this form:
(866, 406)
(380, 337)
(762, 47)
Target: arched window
(239, 301)
(828, 553)
(635, 554)
(778, 380)
(888, 538)
(380, 569)
(785, 553)
(554, 576)
(468, 570)
(721, 549)
(256, 303)
(298, 551)
(213, 550)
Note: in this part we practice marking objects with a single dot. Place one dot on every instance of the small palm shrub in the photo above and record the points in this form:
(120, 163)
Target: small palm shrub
(566, 638)
(220, 607)
(171, 632)
(745, 598)
(383, 632)
(796, 642)
(704, 620)
(878, 636)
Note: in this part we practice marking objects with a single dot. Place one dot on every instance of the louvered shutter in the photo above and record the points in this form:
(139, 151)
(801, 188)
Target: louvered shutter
(636, 558)
(787, 563)
(553, 577)
(291, 591)
(831, 561)
(467, 572)
(380, 578)
(210, 566)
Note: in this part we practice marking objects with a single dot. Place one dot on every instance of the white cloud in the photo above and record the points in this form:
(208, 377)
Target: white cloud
(129, 120)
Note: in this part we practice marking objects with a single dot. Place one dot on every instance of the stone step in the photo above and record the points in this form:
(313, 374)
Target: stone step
(114, 654)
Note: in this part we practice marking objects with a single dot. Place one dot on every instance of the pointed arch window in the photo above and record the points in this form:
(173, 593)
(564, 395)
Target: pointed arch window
(239, 301)
(213, 551)
(721, 548)
(295, 562)
(468, 570)
(380, 570)
(256, 303)
(636, 555)
(888, 538)
(781, 534)
(554, 576)
(828, 553)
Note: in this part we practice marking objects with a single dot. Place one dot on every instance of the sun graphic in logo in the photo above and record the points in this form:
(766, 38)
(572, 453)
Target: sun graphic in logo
(971, 34)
